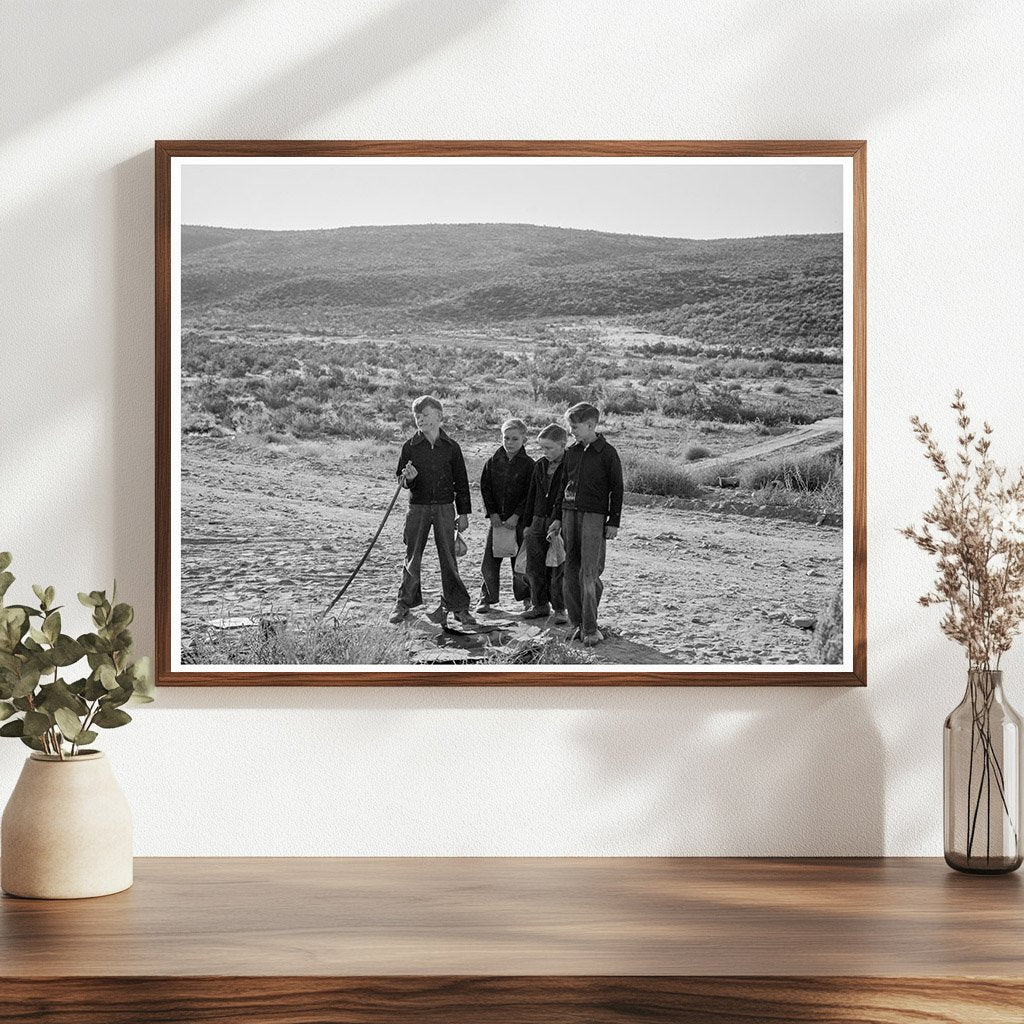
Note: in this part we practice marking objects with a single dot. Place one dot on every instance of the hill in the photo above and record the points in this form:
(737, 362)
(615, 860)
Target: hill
(772, 290)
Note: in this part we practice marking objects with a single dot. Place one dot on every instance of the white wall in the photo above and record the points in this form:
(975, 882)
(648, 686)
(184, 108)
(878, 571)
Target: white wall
(936, 88)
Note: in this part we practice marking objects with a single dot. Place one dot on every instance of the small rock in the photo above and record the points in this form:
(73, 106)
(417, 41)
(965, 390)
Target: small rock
(804, 621)
(779, 616)
(700, 620)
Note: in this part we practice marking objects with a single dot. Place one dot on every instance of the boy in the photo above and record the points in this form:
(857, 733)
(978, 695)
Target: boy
(504, 486)
(431, 466)
(545, 487)
(588, 512)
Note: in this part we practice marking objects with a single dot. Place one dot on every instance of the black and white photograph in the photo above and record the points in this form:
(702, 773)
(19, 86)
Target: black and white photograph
(484, 414)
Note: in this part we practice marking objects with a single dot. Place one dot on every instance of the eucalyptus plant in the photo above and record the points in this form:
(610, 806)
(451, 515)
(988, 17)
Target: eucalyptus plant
(55, 716)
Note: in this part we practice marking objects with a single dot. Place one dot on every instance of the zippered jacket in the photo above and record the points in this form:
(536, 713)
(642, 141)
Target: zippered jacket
(440, 472)
(592, 480)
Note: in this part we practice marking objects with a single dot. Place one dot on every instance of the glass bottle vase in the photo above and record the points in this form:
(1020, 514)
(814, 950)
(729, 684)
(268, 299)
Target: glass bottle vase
(981, 773)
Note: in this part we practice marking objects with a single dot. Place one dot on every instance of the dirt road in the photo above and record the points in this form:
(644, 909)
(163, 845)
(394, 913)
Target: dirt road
(270, 527)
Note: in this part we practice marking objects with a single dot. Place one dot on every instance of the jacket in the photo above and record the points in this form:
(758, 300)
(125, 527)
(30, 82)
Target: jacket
(505, 483)
(544, 490)
(593, 480)
(441, 472)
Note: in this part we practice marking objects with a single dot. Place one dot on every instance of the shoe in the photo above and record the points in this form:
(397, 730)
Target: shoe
(398, 615)
(465, 618)
(483, 608)
(560, 617)
(538, 611)
(593, 638)
(574, 634)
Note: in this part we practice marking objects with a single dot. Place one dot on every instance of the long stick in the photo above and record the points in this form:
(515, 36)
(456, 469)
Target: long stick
(366, 554)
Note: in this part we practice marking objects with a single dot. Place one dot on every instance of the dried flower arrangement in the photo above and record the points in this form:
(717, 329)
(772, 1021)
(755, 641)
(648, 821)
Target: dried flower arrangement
(976, 529)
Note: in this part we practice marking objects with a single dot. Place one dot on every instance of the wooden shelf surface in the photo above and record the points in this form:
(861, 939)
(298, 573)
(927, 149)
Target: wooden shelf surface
(378, 933)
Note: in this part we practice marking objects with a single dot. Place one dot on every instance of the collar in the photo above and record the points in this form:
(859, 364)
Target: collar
(420, 436)
(504, 454)
(597, 444)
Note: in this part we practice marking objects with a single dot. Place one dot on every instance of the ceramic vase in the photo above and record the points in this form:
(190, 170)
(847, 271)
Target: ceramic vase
(66, 831)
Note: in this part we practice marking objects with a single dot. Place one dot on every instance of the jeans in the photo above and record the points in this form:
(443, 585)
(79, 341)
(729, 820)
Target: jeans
(418, 523)
(584, 562)
(545, 580)
(490, 569)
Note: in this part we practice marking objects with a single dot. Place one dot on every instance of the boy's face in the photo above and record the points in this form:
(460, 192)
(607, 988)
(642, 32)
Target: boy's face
(428, 420)
(584, 431)
(553, 450)
(511, 440)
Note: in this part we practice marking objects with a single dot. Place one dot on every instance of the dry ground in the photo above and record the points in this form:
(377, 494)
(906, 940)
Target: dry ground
(282, 526)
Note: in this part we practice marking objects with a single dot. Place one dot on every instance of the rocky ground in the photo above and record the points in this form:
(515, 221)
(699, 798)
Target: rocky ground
(280, 528)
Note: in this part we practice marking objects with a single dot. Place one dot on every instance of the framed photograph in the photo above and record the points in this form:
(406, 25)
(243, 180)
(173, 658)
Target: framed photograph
(492, 413)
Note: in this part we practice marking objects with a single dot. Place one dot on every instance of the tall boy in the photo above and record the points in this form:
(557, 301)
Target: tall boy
(504, 487)
(431, 466)
(588, 511)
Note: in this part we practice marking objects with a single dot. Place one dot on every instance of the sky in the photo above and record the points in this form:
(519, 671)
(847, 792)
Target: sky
(679, 199)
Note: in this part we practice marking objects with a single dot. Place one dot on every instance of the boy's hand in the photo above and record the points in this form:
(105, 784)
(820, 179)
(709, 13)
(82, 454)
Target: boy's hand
(462, 523)
(555, 528)
(611, 532)
(495, 520)
(410, 472)
(511, 521)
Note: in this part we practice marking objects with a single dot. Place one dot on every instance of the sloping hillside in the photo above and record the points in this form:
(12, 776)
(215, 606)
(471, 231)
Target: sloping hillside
(772, 290)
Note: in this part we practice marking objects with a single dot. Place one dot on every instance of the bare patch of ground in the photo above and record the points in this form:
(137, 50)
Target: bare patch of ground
(281, 527)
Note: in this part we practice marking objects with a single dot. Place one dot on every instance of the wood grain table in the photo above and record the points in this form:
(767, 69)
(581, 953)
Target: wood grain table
(504, 940)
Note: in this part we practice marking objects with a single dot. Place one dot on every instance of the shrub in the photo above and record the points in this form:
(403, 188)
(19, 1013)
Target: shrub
(778, 388)
(827, 642)
(695, 452)
(811, 472)
(654, 474)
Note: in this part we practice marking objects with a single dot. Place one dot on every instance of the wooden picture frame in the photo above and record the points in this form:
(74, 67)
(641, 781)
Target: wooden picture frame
(173, 668)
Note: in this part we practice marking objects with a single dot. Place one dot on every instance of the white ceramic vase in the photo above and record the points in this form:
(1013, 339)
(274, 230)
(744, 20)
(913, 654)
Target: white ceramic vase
(66, 831)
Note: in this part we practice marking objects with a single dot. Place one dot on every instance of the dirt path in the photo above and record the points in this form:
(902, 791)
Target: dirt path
(267, 529)
(825, 433)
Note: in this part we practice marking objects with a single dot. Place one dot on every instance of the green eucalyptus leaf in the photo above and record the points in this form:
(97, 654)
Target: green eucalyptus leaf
(89, 600)
(69, 724)
(109, 717)
(96, 645)
(31, 741)
(59, 695)
(142, 678)
(66, 651)
(29, 611)
(40, 592)
(13, 624)
(38, 635)
(6, 710)
(141, 698)
(51, 626)
(13, 728)
(5, 559)
(9, 663)
(87, 736)
(36, 723)
(94, 689)
(6, 579)
(115, 698)
(107, 676)
(22, 703)
(27, 681)
(50, 595)
(122, 615)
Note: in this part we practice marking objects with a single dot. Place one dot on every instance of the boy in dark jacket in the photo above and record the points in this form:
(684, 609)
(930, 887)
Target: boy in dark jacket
(588, 514)
(545, 488)
(431, 466)
(504, 486)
